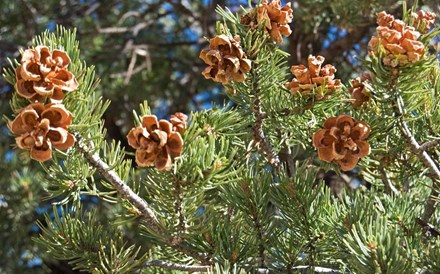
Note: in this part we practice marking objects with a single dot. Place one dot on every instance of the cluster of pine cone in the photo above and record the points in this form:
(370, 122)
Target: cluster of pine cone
(43, 78)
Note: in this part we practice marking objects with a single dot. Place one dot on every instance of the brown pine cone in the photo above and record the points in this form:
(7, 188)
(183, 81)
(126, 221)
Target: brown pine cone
(308, 79)
(275, 18)
(156, 143)
(226, 59)
(44, 74)
(42, 128)
(342, 140)
(396, 41)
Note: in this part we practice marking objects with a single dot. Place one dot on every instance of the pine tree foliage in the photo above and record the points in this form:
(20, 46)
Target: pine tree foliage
(302, 230)
(22, 219)
(80, 239)
(245, 196)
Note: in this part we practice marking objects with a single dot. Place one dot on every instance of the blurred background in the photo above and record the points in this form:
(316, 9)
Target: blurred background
(148, 50)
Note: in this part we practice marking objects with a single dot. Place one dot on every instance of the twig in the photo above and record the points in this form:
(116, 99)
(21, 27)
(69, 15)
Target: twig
(429, 227)
(259, 136)
(260, 234)
(431, 204)
(421, 154)
(133, 72)
(257, 225)
(428, 162)
(316, 269)
(123, 189)
(285, 156)
(389, 187)
(130, 67)
(127, 193)
(173, 266)
(178, 206)
(135, 29)
(300, 269)
(261, 249)
(430, 144)
(415, 146)
(262, 270)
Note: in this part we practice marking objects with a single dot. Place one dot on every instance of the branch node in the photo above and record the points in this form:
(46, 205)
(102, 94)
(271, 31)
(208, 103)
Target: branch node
(173, 266)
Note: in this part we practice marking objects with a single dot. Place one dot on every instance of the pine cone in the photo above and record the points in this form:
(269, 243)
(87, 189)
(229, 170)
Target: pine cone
(423, 20)
(342, 140)
(226, 59)
(43, 74)
(308, 79)
(275, 18)
(397, 40)
(42, 128)
(156, 143)
(358, 92)
(178, 120)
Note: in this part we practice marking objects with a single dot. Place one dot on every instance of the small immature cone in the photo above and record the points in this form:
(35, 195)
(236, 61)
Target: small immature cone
(275, 18)
(424, 20)
(358, 92)
(309, 78)
(40, 128)
(397, 42)
(157, 142)
(179, 121)
(44, 74)
(226, 60)
(342, 140)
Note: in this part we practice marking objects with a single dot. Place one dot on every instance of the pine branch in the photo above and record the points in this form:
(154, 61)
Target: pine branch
(300, 269)
(258, 227)
(173, 266)
(415, 147)
(315, 269)
(431, 204)
(259, 136)
(127, 193)
(430, 144)
(425, 158)
(261, 249)
(122, 188)
(389, 187)
(429, 227)
(178, 205)
(286, 157)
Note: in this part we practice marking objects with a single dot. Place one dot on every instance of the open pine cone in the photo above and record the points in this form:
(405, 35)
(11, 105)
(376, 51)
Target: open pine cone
(226, 59)
(44, 74)
(156, 142)
(396, 40)
(358, 92)
(42, 128)
(423, 20)
(178, 120)
(276, 19)
(308, 79)
(342, 140)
